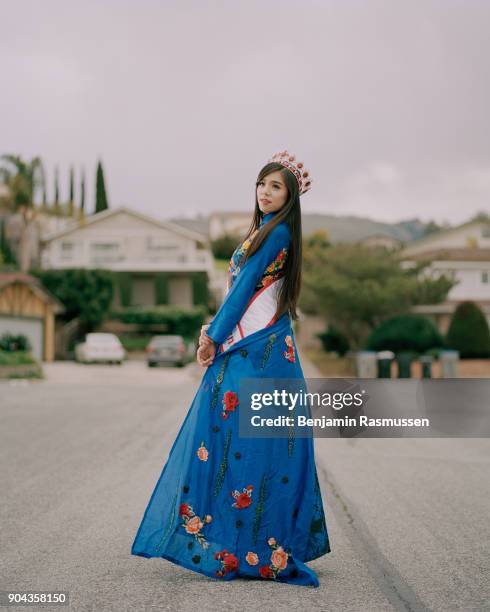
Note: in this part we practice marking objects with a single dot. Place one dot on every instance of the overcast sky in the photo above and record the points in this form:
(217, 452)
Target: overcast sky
(386, 102)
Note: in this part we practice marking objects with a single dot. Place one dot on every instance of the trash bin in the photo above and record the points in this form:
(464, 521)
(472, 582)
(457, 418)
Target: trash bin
(426, 361)
(404, 362)
(385, 359)
(366, 365)
(449, 360)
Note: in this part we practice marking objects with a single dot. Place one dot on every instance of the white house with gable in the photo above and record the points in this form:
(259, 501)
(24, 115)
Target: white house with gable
(462, 253)
(126, 241)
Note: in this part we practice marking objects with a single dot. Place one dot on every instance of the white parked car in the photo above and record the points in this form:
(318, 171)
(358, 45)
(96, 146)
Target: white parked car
(100, 347)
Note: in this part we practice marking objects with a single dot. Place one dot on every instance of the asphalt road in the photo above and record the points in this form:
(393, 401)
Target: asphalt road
(81, 452)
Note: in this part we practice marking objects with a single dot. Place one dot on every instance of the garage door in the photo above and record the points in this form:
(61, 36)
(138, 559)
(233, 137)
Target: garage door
(32, 328)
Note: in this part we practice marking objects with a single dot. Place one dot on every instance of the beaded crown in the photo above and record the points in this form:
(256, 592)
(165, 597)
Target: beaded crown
(297, 168)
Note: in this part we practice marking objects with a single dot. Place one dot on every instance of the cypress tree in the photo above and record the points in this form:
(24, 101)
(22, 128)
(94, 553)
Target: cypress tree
(82, 191)
(71, 202)
(100, 191)
(6, 254)
(57, 208)
(81, 211)
(44, 204)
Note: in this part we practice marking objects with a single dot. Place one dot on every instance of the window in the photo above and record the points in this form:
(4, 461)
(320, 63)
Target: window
(155, 243)
(67, 250)
(105, 252)
(485, 277)
(104, 247)
(485, 231)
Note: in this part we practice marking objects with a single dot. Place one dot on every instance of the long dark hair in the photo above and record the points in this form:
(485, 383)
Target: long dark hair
(291, 213)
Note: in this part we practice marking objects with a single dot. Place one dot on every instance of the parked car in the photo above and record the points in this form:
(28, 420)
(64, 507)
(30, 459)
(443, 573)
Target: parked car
(100, 347)
(166, 349)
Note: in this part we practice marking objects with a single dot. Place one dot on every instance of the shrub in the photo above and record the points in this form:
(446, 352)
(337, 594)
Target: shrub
(85, 293)
(182, 321)
(11, 343)
(468, 332)
(403, 333)
(224, 246)
(334, 340)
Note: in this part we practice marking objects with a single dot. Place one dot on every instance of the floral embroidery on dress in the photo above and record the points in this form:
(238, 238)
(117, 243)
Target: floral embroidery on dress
(274, 271)
(237, 257)
(279, 561)
(230, 402)
(202, 452)
(229, 562)
(252, 558)
(244, 499)
(193, 523)
(289, 353)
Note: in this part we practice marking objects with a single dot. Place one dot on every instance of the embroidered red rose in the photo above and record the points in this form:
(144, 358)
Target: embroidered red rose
(243, 499)
(220, 554)
(229, 562)
(184, 510)
(230, 402)
(266, 572)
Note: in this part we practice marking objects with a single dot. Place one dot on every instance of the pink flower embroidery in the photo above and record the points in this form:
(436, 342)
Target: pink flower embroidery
(202, 452)
(289, 353)
(279, 561)
(252, 558)
(193, 524)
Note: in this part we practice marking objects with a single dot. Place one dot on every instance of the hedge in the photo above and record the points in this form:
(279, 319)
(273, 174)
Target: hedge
(468, 332)
(410, 332)
(183, 321)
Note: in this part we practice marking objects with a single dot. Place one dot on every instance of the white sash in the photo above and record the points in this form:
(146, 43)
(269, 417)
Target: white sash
(259, 313)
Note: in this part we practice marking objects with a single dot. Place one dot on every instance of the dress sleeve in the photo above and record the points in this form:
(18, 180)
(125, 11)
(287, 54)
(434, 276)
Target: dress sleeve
(243, 288)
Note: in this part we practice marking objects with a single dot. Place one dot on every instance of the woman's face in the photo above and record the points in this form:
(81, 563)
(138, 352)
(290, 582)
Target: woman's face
(272, 192)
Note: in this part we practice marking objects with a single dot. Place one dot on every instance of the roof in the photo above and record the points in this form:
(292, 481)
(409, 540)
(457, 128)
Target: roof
(444, 232)
(452, 255)
(105, 214)
(21, 278)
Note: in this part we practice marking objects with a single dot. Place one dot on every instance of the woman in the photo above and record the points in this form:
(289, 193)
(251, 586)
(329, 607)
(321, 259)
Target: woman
(227, 506)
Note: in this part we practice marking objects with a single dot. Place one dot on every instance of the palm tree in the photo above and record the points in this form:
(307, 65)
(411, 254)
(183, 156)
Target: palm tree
(23, 179)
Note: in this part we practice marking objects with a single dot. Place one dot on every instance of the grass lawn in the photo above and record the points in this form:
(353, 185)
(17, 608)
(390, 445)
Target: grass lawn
(329, 364)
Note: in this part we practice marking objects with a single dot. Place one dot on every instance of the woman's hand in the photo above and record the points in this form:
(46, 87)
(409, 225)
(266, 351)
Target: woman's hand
(205, 354)
(204, 338)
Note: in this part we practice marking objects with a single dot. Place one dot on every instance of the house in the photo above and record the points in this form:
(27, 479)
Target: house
(462, 253)
(230, 223)
(381, 240)
(27, 308)
(143, 252)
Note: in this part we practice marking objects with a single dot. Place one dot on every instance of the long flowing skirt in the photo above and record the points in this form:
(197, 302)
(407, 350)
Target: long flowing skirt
(228, 506)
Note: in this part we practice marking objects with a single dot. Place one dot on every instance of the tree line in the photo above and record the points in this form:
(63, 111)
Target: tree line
(24, 193)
